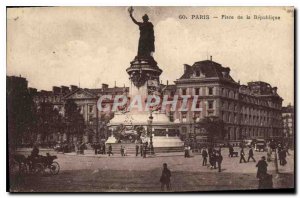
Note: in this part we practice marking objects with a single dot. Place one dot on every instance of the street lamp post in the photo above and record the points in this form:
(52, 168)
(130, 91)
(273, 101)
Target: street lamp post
(150, 129)
(195, 143)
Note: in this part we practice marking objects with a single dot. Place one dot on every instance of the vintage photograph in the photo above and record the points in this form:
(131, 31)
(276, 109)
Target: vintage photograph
(150, 99)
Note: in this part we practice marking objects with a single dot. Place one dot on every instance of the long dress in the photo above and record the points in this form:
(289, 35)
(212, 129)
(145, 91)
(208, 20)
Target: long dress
(146, 41)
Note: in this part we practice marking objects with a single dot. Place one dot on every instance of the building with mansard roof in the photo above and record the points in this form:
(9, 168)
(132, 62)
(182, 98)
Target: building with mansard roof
(249, 111)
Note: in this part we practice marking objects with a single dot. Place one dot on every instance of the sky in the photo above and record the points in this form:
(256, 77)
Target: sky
(88, 46)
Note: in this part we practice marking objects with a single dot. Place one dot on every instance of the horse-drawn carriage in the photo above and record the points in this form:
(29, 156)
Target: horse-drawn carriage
(33, 165)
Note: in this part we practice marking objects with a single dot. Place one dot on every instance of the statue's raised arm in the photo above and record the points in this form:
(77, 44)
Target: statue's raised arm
(130, 10)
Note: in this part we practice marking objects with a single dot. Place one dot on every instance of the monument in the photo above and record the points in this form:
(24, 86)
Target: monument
(144, 76)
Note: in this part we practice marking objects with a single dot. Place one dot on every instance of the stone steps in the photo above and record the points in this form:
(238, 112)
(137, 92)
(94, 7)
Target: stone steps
(167, 149)
(130, 149)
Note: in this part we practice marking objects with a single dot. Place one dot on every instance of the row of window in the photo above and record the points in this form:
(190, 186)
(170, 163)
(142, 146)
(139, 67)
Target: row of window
(235, 134)
(90, 108)
(229, 93)
(197, 91)
(48, 99)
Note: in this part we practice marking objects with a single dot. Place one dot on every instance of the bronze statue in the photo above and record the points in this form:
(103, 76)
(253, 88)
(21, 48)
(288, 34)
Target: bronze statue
(146, 41)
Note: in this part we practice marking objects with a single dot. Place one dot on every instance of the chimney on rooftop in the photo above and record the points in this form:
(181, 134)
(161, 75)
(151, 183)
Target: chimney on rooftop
(210, 58)
(186, 66)
(56, 90)
(73, 87)
(104, 86)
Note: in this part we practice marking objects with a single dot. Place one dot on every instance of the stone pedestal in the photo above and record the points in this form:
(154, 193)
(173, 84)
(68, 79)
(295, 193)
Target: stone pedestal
(143, 69)
(144, 76)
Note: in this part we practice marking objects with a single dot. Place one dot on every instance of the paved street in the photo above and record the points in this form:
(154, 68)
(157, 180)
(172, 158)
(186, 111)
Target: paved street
(130, 173)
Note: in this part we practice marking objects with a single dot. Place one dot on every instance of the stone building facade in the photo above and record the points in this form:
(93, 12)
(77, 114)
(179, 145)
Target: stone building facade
(86, 101)
(288, 121)
(249, 111)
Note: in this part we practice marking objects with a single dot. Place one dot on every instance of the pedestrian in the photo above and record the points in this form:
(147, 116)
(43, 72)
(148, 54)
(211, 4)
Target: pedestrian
(282, 156)
(145, 151)
(35, 151)
(110, 150)
(189, 151)
(219, 159)
(265, 180)
(279, 148)
(251, 154)
(136, 150)
(269, 154)
(122, 151)
(95, 148)
(141, 149)
(165, 177)
(33, 158)
(279, 157)
(186, 151)
(242, 155)
(231, 150)
(204, 156)
(261, 167)
(210, 150)
(213, 160)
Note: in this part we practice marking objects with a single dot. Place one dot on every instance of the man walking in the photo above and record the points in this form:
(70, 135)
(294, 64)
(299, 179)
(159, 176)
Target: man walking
(213, 159)
(204, 156)
(136, 150)
(145, 151)
(282, 156)
(242, 156)
(219, 159)
(122, 151)
(265, 180)
(110, 150)
(141, 149)
(230, 150)
(251, 155)
(261, 167)
(165, 177)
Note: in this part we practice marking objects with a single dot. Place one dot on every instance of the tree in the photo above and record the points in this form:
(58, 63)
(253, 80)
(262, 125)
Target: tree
(49, 120)
(20, 113)
(74, 121)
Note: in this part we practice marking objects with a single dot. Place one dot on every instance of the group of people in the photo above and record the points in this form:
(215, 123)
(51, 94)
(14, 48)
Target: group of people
(250, 155)
(99, 148)
(215, 158)
(123, 151)
(187, 151)
(282, 153)
(142, 149)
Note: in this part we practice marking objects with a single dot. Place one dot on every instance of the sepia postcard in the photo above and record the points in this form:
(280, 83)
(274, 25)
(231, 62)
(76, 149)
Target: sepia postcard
(150, 99)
